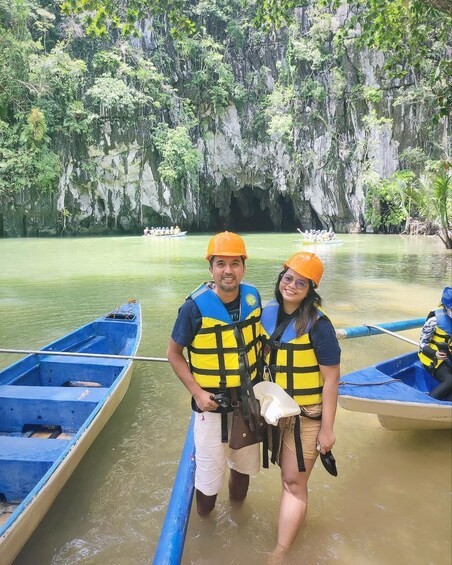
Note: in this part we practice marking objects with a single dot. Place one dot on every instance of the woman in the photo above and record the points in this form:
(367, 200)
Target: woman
(435, 346)
(302, 355)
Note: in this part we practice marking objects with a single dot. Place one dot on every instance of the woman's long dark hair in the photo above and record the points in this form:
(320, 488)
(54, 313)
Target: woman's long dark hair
(307, 312)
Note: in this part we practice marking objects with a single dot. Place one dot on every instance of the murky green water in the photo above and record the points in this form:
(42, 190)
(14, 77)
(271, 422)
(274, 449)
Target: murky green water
(391, 503)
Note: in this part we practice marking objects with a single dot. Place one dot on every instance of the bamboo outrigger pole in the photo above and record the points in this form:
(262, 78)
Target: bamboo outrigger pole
(390, 327)
(345, 333)
(75, 354)
(170, 546)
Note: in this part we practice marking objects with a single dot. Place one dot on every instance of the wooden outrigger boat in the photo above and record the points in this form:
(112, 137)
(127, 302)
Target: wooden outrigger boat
(397, 391)
(53, 404)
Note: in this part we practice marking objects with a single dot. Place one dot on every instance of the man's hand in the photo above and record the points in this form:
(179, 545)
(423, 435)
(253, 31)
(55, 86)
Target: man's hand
(205, 401)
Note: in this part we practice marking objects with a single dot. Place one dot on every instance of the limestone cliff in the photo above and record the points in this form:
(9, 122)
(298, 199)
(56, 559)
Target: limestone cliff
(309, 172)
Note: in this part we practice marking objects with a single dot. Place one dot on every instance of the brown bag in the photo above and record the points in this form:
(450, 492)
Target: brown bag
(245, 433)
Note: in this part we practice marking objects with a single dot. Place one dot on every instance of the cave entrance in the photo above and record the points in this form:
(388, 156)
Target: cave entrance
(289, 222)
(246, 214)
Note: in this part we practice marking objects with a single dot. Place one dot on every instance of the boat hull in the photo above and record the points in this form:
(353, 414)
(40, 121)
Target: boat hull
(398, 416)
(397, 391)
(22, 523)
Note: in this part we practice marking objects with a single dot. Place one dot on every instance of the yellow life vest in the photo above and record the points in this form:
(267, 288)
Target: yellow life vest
(295, 366)
(442, 334)
(214, 353)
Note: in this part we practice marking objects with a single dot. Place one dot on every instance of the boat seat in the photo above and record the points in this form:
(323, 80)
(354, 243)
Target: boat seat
(86, 394)
(23, 462)
(99, 344)
(67, 407)
(56, 370)
(75, 360)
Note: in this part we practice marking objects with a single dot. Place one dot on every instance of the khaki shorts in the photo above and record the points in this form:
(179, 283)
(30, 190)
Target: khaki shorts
(309, 432)
(214, 457)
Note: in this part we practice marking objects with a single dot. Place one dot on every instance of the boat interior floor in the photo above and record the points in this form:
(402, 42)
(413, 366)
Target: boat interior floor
(6, 509)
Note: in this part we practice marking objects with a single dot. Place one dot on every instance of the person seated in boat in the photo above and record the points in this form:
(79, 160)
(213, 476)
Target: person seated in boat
(435, 346)
(146, 231)
(177, 230)
(206, 325)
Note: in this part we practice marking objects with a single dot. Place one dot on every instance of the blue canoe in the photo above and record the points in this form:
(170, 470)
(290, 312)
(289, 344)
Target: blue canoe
(52, 407)
(397, 391)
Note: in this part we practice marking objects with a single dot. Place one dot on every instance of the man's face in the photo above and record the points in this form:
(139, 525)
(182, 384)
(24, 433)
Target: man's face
(227, 272)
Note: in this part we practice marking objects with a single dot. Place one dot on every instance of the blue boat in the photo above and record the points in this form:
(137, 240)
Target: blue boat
(53, 404)
(397, 391)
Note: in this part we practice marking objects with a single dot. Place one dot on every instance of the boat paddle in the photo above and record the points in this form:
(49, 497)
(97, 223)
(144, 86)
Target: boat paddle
(75, 354)
(383, 330)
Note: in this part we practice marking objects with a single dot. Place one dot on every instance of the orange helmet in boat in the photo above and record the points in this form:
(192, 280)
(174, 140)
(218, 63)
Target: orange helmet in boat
(307, 265)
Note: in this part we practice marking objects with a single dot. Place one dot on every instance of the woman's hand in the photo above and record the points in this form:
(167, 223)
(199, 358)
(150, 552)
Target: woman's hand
(325, 440)
(441, 355)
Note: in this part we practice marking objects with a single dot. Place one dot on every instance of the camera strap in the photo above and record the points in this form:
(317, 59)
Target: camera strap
(246, 385)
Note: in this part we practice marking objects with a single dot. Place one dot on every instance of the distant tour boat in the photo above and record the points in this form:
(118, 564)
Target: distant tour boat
(155, 235)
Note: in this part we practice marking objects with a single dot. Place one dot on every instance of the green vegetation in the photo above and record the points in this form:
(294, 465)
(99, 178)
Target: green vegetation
(74, 82)
(414, 201)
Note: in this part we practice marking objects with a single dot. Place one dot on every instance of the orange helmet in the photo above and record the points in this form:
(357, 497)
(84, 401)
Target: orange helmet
(307, 265)
(228, 244)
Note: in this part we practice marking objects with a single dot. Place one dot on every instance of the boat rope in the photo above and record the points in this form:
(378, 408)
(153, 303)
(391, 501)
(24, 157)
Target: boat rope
(371, 384)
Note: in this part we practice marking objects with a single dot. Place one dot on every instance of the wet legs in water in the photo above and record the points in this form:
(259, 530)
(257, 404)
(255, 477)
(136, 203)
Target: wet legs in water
(205, 503)
(238, 488)
(293, 505)
(238, 485)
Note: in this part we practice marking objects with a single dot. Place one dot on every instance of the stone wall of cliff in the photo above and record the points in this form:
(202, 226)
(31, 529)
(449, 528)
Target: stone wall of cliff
(309, 173)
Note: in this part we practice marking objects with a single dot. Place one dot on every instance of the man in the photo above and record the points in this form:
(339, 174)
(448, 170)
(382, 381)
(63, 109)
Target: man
(206, 326)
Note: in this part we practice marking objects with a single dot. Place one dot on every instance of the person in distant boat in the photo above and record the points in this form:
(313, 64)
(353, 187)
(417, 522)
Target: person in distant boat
(302, 355)
(146, 231)
(435, 346)
(206, 325)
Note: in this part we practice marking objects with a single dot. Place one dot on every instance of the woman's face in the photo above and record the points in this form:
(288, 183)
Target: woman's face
(293, 288)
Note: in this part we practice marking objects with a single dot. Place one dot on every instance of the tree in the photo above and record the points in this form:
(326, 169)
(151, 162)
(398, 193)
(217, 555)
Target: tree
(413, 34)
(390, 202)
(99, 15)
(435, 201)
(404, 196)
